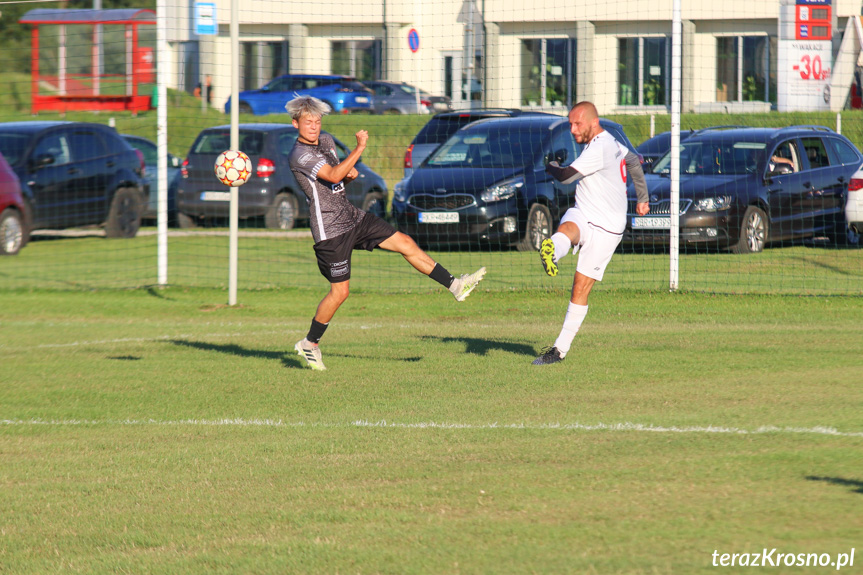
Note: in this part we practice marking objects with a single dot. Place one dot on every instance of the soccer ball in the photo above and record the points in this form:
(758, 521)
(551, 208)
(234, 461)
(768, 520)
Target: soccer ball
(233, 168)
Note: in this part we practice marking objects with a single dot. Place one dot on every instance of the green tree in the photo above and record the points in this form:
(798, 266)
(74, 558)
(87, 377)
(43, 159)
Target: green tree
(15, 37)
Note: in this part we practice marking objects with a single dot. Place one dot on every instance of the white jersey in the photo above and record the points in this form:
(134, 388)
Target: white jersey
(601, 193)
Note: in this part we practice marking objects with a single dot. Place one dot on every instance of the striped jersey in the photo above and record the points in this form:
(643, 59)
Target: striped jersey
(331, 214)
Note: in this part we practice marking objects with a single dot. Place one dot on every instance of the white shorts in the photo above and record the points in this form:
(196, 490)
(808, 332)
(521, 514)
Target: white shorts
(597, 245)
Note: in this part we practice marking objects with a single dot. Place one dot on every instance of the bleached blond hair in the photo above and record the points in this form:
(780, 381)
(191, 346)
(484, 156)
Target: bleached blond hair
(306, 106)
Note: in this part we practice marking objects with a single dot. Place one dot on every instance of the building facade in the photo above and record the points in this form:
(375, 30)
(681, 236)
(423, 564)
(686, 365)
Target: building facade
(537, 54)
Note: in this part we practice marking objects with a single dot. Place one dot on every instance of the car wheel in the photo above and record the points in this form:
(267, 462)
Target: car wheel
(186, 222)
(374, 204)
(282, 215)
(11, 232)
(845, 236)
(852, 237)
(124, 217)
(393, 112)
(537, 229)
(753, 232)
(245, 108)
(27, 217)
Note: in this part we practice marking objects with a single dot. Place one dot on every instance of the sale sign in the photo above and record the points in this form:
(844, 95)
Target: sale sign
(803, 70)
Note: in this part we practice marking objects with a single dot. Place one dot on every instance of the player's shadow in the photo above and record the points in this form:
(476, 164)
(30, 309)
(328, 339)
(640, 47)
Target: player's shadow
(478, 346)
(234, 349)
(855, 485)
(412, 359)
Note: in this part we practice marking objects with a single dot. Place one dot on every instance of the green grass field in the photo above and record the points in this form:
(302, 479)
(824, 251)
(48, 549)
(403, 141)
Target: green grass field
(390, 135)
(271, 260)
(159, 431)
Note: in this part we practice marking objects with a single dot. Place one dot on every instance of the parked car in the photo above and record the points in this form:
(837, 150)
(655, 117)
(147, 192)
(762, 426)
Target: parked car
(654, 148)
(487, 183)
(440, 128)
(854, 207)
(743, 188)
(13, 220)
(151, 179)
(401, 98)
(272, 193)
(76, 174)
(342, 94)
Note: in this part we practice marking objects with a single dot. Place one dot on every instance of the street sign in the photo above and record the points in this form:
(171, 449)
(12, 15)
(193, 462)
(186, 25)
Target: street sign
(413, 40)
(805, 59)
(205, 19)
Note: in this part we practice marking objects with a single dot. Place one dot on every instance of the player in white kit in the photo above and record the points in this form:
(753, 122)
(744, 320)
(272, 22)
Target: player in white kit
(594, 226)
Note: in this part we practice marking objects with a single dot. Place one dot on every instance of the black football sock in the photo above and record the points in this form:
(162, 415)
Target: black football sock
(441, 276)
(316, 332)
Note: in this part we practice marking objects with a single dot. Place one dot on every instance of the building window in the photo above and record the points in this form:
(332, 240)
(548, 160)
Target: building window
(642, 76)
(746, 69)
(548, 72)
(360, 59)
(261, 62)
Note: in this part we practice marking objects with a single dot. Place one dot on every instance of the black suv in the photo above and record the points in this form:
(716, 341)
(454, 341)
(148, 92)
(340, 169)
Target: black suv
(743, 188)
(439, 129)
(487, 184)
(272, 192)
(76, 174)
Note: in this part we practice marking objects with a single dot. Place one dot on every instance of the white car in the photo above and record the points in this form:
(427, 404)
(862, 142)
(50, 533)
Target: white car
(854, 207)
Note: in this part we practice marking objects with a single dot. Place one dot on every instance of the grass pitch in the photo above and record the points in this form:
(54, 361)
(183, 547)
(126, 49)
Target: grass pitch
(158, 431)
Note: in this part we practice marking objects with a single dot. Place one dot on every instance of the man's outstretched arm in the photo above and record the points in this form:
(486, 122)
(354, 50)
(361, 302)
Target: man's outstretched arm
(565, 175)
(633, 168)
(335, 174)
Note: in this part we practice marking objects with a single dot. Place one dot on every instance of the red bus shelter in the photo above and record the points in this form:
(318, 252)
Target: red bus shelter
(91, 59)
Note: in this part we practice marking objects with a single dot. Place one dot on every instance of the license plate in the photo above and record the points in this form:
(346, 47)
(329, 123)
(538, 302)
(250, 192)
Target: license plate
(216, 196)
(649, 223)
(438, 218)
(362, 100)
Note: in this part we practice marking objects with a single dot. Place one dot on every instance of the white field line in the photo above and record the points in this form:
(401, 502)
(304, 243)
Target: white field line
(276, 423)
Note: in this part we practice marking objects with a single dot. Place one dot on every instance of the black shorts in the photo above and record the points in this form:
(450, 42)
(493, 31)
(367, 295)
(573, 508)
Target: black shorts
(334, 254)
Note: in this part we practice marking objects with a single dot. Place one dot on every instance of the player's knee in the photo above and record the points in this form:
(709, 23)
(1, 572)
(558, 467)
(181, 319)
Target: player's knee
(406, 244)
(570, 230)
(340, 291)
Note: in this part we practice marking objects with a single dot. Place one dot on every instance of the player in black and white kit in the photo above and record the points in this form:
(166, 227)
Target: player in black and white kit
(595, 225)
(338, 227)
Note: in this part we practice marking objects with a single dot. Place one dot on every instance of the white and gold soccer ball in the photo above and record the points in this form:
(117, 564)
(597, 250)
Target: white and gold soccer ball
(233, 168)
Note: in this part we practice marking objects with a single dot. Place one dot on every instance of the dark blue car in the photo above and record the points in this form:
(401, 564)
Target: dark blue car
(272, 194)
(744, 188)
(151, 180)
(76, 174)
(342, 94)
(487, 184)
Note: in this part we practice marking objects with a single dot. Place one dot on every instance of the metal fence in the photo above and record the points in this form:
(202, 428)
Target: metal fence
(769, 130)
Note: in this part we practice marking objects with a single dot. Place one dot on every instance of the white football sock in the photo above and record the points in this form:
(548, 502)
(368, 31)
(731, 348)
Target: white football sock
(571, 323)
(562, 245)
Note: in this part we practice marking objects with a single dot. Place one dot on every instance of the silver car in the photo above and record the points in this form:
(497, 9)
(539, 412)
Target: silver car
(401, 98)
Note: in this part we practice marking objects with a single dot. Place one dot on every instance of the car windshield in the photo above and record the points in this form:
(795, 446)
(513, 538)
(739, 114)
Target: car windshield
(353, 85)
(151, 157)
(708, 157)
(487, 148)
(252, 143)
(411, 90)
(619, 135)
(13, 145)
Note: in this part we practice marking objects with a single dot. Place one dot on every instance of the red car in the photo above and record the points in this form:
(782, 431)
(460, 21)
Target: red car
(13, 223)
